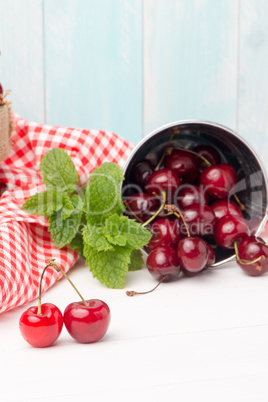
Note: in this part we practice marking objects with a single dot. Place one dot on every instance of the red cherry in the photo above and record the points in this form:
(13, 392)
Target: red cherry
(164, 232)
(163, 180)
(140, 204)
(225, 207)
(209, 153)
(200, 220)
(192, 253)
(219, 180)
(185, 164)
(190, 194)
(87, 324)
(211, 256)
(41, 330)
(249, 250)
(230, 228)
(163, 261)
(1, 89)
(141, 173)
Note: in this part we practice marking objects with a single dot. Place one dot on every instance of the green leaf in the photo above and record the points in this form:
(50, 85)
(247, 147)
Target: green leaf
(109, 267)
(68, 207)
(64, 231)
(44, 203)
(93, 236)
(103, 195)
(136, 260)
(123, 231)
(78, 245)
(58, 171)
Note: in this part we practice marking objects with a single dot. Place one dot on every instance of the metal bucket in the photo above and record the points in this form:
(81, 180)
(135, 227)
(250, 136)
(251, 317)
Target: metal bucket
(252, 182)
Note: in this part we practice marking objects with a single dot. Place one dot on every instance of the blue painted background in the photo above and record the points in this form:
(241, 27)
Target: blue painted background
(130, 66)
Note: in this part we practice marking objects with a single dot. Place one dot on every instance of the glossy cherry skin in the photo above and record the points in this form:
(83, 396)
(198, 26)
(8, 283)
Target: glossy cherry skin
(141, 173)
(249, 249)
(190, 194)
(87, 324)
(43, 330)
(211, 256)
(192, 253)
(219, 181)
(185, 164)
(200, 220)
(209, 153)
(1, 89)
(230, 228)
(163, 180)
(162, 261)
(164, 231)
(140, 204)
(225, 207)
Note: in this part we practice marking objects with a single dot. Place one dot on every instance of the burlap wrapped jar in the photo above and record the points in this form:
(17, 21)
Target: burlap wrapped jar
(5, 128)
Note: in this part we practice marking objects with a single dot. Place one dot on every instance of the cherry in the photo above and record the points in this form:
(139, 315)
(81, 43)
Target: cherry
(164, 232)
(230, 228)
(211, 256)
(41, 329)
(41, 325)
(192, 253)
(140, 204)
(163, 180)
(141, 173)
(1, 89)
(252, 256)
(219, 180)
(87, 323)
(190, 194)
(225, 207)
(184, 163)
(209, 153)
(163, 262)
(200, 220)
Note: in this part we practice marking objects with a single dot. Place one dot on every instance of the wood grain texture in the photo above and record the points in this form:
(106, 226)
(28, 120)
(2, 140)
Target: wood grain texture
(21, 62)
(253, 83)
(93, 65)
(190, 61)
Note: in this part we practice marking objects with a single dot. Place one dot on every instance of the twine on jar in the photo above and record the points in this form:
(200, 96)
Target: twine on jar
(6, 126)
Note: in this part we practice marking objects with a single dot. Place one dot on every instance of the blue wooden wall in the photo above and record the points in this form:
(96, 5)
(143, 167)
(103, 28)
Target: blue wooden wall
(130, 66)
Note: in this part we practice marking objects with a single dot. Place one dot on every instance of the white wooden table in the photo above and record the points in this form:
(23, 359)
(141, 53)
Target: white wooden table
(196, 339)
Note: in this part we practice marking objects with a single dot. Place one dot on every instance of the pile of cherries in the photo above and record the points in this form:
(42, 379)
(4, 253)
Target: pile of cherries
(86, 321)
(189, 204)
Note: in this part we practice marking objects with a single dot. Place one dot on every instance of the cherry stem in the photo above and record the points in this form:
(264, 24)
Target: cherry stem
(175, 210)
(241, 206)
(40, 290)
(134, 293)
(59, 269)
(191, 152)
(164, 196)
(130, 210)
(166, 149)
(244, 262)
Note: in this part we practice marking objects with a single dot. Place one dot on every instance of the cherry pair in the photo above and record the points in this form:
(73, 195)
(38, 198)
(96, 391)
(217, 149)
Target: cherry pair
(86, 321)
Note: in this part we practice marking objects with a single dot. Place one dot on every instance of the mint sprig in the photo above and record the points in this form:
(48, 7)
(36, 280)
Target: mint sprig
(90, 219)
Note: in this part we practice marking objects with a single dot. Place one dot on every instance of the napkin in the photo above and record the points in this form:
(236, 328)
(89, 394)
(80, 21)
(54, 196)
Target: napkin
(25, 243)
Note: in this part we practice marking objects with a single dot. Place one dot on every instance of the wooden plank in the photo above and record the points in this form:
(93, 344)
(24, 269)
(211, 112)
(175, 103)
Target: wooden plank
(253, 88)
(21, 62)
(190, 61)
(94, 65)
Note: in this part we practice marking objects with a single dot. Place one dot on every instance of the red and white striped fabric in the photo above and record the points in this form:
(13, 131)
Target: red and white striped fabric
(25, 243)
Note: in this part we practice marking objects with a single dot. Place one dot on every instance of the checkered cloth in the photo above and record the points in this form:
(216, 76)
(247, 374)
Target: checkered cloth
(25, 243)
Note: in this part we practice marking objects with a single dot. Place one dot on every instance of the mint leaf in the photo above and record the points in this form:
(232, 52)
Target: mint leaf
(58, 171)
(93, 236)
(109, 267)
(68, 207)
(78, 245)
(44, 203)
(123, 231)
(64, 231)
(103, 195)
(136, 260)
